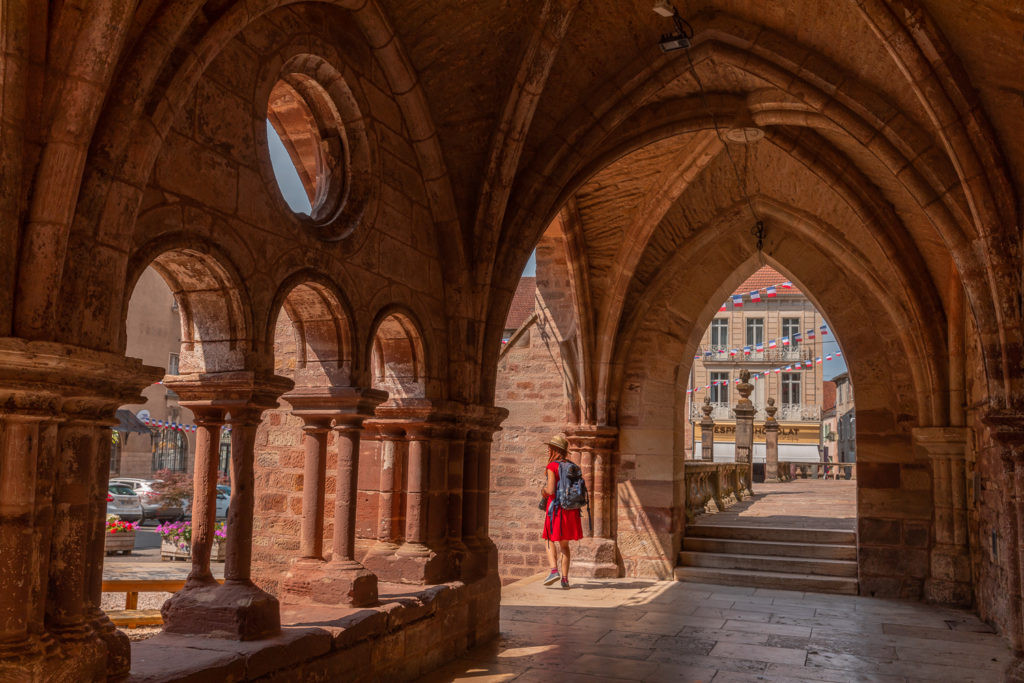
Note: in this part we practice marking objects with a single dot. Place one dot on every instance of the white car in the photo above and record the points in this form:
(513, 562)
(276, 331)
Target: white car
(124, 502)
(153, 504)
(223, 501)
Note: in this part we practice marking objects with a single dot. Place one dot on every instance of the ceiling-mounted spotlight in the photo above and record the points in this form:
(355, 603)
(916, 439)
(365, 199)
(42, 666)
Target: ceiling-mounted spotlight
(680, 40)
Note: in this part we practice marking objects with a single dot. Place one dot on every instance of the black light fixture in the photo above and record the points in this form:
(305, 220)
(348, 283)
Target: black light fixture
(680, 40)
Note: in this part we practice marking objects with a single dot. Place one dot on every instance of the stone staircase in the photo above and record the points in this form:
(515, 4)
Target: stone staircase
(817, 560)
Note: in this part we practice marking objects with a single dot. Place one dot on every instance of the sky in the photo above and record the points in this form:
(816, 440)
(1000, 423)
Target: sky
(287, 177)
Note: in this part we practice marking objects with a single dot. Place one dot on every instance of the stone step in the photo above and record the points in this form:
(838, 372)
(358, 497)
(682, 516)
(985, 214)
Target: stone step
(823, 551)
(777, 534)
(758, 563)
(773, 580)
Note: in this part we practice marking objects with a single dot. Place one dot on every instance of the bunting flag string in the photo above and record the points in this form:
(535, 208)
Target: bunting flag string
(167, 424)
(770, 292)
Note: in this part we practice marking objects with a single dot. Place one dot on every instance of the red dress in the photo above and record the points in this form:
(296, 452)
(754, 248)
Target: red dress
(567, 525)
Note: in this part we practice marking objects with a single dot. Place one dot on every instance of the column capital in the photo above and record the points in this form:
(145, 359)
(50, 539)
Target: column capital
(233, 392)
(49, 379)
(591, 437)
(345, 405)
(941, 442)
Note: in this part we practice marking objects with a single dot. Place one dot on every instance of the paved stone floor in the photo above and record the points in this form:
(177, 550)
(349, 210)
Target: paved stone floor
(804, 503)
(628, 629)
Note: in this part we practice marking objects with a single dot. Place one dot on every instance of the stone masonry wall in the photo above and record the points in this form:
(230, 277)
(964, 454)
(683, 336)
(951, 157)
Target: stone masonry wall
(530, 387)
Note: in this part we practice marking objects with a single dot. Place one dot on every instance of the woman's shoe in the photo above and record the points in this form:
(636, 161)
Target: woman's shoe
(565, 583)
(552, 577)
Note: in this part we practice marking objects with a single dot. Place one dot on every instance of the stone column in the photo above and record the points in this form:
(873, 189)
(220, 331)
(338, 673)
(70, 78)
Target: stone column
(707, 432)
(596, 555)
(238, 609)
(771, 444)
(950, 576)
(314, 487)
(58, 402)
(343, 580)
(744, 412)
(456, 442)
(204, 491)
(482, 555)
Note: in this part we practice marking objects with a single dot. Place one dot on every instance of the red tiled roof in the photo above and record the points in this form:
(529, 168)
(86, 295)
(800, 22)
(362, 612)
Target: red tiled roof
(766, 275)
(522, 303)
(828, 395)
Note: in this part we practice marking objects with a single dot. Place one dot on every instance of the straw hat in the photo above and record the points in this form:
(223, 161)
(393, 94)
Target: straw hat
(560, 443)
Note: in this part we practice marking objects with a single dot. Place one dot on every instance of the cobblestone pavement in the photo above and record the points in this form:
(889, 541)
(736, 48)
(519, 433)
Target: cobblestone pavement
(805, 503)
(629, 629)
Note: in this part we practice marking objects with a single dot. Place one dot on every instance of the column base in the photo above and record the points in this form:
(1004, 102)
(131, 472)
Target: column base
(345, 582)
(21, 660)
(595, 558)
(407, 563)
(119, 648)
(235, 610)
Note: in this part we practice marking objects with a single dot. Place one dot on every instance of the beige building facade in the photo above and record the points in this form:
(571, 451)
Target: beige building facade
(771, 329)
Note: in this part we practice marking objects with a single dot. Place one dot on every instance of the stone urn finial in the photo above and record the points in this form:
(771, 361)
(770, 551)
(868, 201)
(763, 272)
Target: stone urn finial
(770, 410)
(744, 388)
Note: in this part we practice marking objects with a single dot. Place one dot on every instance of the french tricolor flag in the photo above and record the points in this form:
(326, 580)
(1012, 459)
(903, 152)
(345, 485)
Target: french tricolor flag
(746, 350)
(808, 363)
(723, 308)
(828, 357)
(778, 370)
(797, 338)
(755, 295)
(771, 343)
(818, 360)
(732, 353)
(810, 333)
(760, 348)
(737, 300)
(824, 330)
(689, 391)
(787, 285)
(769, 292)
(838, 353)
(785, 341)
(788, 368)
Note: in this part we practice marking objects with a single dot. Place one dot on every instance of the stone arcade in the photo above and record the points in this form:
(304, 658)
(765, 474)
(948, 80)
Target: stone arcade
(355, 351)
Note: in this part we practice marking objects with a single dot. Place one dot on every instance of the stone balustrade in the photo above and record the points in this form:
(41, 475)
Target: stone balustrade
(714, 486)
(817, 470)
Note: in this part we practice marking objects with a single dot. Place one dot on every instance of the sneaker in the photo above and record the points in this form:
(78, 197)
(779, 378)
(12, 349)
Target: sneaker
(565, 584)
(552, 577)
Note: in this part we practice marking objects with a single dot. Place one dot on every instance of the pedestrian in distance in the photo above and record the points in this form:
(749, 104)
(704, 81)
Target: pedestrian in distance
(565, 494)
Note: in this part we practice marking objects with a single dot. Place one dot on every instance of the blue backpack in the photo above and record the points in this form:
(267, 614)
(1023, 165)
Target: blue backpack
(570, 491)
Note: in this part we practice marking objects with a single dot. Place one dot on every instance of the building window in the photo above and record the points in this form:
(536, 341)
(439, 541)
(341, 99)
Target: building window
(115, 452)
(225, 452)
(755, 331)
(720, 392)
(719, 333)
(791, 328)
(791, 388)
(172, 364)
(170, 450)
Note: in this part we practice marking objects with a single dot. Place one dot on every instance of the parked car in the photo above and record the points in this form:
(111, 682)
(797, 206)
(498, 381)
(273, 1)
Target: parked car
(153, 504)
(124, 502)
(223, 501)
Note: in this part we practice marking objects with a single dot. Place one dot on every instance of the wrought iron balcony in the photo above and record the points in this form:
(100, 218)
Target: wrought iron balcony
(721, 412)
(782, 354)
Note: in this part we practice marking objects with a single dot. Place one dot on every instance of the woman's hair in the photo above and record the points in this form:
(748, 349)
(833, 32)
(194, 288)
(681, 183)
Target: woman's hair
(556, 454)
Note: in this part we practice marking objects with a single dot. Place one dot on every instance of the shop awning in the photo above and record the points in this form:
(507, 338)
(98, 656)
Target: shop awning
(129, 423)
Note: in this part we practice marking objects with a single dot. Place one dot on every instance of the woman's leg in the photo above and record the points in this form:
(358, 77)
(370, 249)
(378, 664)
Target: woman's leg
(552, 554)
(563, 546)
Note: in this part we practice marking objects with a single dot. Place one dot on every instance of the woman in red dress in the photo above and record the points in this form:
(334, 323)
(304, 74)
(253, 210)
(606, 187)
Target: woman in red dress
(560, 526)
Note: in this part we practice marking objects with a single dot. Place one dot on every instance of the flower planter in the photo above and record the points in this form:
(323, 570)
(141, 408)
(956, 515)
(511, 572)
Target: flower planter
(119, 542)
(169, 551)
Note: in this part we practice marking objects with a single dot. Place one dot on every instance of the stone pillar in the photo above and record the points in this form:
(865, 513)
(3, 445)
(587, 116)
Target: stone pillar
(744, 412)
(422, 557)
(482, 555)
(771, 444)
(314, 488)
(58, 403)
(342, 580)
(238, 609)
(949, 581)
(707, 432)
(390, 438)
(456, 443)
(596, 555)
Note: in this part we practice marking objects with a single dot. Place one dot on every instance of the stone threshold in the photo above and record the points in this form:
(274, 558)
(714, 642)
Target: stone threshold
(311, 636)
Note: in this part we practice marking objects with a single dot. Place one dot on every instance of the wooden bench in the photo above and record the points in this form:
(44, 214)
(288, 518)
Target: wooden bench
(131, 616)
